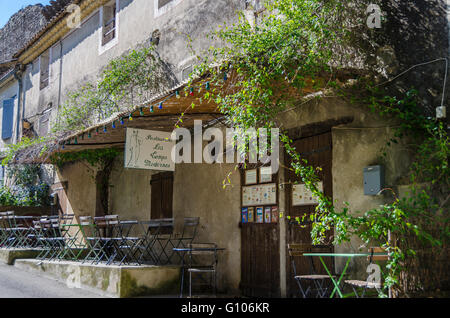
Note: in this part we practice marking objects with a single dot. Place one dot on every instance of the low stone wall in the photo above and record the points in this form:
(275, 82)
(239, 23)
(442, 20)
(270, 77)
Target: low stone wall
(8, 256)
(27, 210)
(114, 281)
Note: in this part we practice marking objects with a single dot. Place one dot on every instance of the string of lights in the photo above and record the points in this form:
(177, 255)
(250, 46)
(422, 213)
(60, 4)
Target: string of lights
(152, 109)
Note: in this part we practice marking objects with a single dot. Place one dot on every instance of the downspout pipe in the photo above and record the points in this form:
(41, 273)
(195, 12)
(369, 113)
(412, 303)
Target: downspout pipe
(18, 77)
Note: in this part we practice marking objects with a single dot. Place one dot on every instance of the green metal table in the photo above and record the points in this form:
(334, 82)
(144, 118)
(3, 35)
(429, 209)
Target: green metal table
(349, 256)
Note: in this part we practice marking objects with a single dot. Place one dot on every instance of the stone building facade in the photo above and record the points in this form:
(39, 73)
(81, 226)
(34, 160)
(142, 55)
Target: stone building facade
(59, 59)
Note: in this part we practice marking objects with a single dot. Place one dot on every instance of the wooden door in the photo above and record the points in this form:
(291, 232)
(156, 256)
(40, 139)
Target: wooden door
(260, 260)
(317, 151)
(260, 256)
(161, 195)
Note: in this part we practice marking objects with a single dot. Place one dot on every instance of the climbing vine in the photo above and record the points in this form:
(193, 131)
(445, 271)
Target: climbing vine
(126, 82)
(25, 187)
(100, 159)
(264, 67)
(95, 157)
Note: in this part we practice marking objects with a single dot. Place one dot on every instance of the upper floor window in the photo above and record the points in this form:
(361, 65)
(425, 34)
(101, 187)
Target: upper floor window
(7, 118)
(109, 24)
(162, 6)
(44, 66)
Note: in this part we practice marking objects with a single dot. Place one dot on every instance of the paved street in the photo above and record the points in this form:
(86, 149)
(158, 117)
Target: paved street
(16, 283)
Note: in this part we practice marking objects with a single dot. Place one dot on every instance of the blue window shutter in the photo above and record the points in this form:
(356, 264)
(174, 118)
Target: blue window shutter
(8, 117)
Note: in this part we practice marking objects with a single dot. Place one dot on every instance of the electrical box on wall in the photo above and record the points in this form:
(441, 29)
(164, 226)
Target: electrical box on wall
(373, 180)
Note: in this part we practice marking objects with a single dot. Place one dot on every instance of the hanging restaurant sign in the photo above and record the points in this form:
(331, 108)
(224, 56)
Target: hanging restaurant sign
(149, 149)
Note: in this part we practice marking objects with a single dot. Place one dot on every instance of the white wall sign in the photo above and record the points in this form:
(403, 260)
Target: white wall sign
(260, 194)
(302, 196)
(148, 149)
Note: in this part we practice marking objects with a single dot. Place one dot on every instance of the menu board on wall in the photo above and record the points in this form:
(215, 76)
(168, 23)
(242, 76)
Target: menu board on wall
(265, 174)
(260, 194)
(250, 176)
(302, 196)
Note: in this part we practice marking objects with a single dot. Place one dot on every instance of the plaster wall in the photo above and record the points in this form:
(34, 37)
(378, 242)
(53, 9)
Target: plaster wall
(130, 192)
(81, 188)
(198, 191)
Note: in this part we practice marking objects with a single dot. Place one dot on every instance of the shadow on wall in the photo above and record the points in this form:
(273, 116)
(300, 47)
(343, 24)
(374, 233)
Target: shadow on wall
(417, 31)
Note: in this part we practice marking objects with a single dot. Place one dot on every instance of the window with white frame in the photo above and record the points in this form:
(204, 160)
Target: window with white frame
(109, 23)
(44, 67)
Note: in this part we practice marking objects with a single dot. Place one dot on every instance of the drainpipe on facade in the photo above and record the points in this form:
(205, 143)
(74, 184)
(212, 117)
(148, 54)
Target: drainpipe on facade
(18, 77)
(448, 52)
(60, 78)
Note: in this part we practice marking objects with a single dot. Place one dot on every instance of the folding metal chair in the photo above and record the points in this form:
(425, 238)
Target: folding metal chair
(35, 235)
(363, 284)
(163, 247)
(54, 238)
(22, 227)
(47, 225)
(72, 238)
(92, 238)
(16, 230)
(2, 231)
(202, 262)
(187, 235)
(105, 228)
(320, 282)
(145, 251)
(5, 226)
(125, 244)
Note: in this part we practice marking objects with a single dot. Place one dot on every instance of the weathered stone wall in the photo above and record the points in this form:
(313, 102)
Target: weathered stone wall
(412, 32)
(19, 30)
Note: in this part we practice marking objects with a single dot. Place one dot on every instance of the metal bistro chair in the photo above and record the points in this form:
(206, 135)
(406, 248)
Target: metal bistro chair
(145, 248)
(162, 241)
(106, 229)
(320, 282)
(5, 226)
(364, 285)
(202, 261)
(92, 239)
(188, 234)
(51, 238)
(22, 227)
(16, 230)
(126, 244)
(35, 235)
(55, 238)
(72, 240)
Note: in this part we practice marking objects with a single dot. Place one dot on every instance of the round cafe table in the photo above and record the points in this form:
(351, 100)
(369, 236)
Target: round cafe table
(349, 256)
